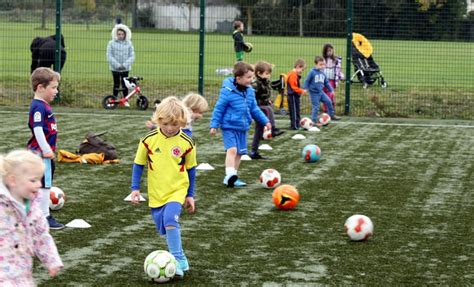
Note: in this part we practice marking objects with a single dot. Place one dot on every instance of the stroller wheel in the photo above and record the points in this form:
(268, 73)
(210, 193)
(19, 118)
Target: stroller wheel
(156, 103)
(109, 102)
(383, 84)
(142, 102)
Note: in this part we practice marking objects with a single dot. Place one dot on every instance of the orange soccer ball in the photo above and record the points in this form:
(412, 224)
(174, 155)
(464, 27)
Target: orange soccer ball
(285, 196)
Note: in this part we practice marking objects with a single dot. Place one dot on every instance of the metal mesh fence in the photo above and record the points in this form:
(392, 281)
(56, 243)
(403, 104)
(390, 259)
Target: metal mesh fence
(423, 49)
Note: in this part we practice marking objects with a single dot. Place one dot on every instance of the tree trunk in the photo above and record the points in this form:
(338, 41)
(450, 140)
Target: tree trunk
(190, 9)
(249, 20)
(300, 14)
(43, 16)
(135, 23)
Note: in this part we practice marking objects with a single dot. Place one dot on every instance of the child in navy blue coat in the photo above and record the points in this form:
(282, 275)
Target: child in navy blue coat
(314, 84)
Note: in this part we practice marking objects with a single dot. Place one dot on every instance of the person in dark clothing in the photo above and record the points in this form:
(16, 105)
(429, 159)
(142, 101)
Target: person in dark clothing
(263, 93)
(239, 43)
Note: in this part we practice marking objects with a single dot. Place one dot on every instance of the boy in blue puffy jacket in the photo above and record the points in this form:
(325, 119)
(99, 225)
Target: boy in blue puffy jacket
(233, 114)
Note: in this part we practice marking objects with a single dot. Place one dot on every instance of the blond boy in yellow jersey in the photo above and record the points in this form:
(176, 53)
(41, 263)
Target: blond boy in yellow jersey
(170, 156)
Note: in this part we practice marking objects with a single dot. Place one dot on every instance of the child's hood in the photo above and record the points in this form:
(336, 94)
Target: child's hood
(229, 84)
(6, 196)
(128, 32)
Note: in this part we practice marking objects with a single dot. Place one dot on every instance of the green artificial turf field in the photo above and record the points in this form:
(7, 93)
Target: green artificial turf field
(413, 178)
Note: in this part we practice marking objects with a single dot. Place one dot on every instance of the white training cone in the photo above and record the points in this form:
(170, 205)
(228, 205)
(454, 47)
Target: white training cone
(265, 147)
(204, 166)
(78, 223)
(245, 157)
(129, 198)
(314, 129)
(298, 137)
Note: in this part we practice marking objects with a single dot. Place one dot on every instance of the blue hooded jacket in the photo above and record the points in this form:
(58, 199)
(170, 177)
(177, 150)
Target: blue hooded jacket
(235, 109)
(315, 81)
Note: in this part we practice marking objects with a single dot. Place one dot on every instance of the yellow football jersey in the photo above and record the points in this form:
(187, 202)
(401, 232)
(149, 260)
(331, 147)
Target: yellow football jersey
(167, 159)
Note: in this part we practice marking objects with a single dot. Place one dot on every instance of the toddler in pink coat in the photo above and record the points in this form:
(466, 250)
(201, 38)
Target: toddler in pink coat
(24, 231)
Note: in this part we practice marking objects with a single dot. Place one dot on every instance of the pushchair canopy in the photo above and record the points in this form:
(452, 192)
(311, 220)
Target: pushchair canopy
(362, 44)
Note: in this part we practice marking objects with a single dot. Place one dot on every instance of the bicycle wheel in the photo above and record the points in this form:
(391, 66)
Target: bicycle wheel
(109, 102)
(142, 102)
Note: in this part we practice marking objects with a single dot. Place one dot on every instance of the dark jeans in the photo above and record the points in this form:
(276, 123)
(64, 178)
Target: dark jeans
(118, 79)
(294, 108)
(268, 111)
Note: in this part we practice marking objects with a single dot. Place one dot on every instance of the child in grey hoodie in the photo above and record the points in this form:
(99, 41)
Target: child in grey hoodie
(120, 55)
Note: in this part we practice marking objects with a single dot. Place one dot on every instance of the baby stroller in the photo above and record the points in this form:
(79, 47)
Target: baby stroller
(366, 70)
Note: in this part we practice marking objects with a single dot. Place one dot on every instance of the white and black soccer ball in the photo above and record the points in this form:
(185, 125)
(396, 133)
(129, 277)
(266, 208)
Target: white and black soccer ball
(306, 123)
(359, 227)
(160, 266)
(57, 198)
(270, 178)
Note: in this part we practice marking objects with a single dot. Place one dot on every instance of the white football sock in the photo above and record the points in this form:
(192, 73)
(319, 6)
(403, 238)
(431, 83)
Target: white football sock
(230, 171)
(44, 200)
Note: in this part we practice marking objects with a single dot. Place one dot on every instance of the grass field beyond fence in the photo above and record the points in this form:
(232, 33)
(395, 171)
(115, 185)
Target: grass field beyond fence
(425, 79)
(413, 178)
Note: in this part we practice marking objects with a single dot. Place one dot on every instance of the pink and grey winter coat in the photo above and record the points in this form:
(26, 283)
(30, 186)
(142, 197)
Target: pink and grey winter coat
(23, 235)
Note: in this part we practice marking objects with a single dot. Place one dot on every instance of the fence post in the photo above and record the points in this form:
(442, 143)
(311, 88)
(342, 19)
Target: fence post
(57, 54)
(348, 56)
(202, 31)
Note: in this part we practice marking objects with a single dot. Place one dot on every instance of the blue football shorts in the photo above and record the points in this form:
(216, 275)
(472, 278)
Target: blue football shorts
(237, 139)
(166, 215)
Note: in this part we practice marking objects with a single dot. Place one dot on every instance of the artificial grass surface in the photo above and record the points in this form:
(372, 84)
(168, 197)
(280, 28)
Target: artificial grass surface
(413, 178)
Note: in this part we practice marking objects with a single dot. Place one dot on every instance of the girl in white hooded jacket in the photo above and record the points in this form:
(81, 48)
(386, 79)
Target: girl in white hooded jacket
(120, 55)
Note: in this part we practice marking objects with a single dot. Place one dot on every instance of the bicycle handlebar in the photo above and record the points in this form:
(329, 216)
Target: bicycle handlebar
(134, 79)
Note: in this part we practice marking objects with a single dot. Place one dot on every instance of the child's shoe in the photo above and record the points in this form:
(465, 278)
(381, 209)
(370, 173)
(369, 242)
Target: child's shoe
(239, 183)
(126, 104)
(183, 264)
(257, 155)
(179, 271)
(335, 118)
(53, 224)
(230, 180)
(277, 132)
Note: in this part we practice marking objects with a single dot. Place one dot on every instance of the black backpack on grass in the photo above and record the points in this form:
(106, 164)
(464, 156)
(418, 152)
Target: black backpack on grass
(94, 144)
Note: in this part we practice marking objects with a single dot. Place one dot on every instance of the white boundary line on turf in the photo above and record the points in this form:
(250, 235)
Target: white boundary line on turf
(83, 114)
(338, 123)
(406, 124)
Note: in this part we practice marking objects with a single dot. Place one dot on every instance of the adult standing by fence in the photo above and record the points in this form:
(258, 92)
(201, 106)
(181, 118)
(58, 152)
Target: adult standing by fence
(120, 55)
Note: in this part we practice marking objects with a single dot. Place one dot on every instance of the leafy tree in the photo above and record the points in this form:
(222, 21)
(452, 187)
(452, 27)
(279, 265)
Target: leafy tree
(87, 9)
(247, 7)
(190, 4)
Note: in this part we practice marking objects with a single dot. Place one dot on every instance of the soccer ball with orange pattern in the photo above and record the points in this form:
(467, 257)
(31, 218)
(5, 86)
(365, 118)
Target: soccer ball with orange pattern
(285, 196)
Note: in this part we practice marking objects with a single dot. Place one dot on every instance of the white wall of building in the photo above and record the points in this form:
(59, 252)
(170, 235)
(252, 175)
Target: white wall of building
(177, 17)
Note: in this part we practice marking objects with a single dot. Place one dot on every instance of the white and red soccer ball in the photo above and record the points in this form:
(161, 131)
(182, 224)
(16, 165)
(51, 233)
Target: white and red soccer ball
(324, 119)
(270, 178)
(57, 198)
(359, 227)
(267, 133)
(306, 123)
